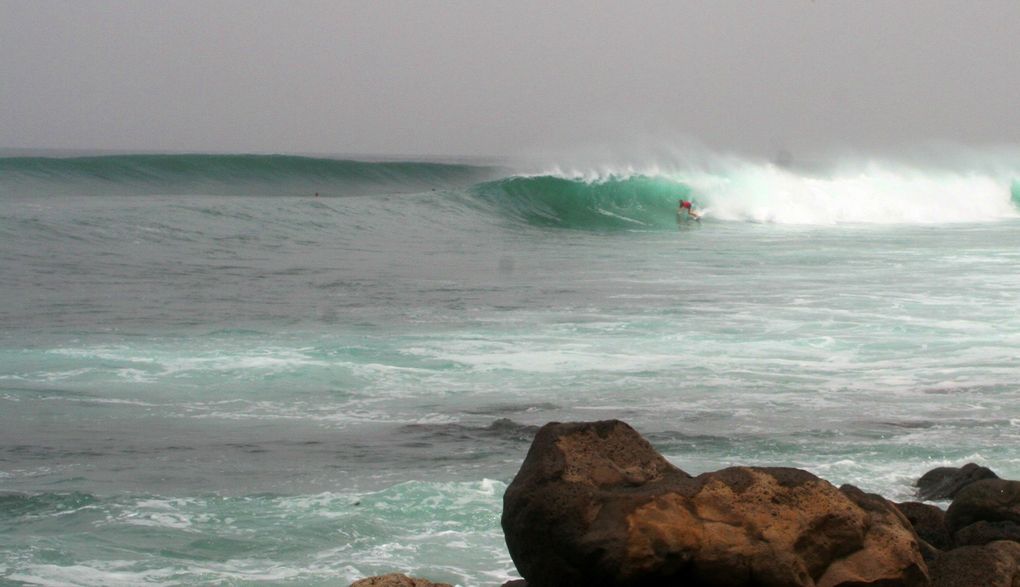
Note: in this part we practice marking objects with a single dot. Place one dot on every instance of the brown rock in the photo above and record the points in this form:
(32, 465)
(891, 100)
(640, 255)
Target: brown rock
(595, 505)
(991, 500)
(396, 580)
(929, 522)
(890, 543)
(553, 499)
(946, 482)
(984, 532)
(992, 565)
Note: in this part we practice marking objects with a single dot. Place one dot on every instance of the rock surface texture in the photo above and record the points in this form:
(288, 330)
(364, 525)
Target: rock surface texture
(595, 505)
(946, 482)
(992, 565)
(929, 522)
(396, 580)
(985, 511)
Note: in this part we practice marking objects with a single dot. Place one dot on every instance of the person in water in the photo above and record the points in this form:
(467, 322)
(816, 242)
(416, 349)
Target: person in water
(688, 208)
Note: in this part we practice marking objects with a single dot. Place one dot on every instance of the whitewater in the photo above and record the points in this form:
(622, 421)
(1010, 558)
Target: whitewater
(283, 370)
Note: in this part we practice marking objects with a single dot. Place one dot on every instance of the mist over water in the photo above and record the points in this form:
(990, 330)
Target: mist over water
(210, 375)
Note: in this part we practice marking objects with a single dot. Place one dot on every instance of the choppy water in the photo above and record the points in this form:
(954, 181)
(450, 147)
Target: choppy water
(208, 375)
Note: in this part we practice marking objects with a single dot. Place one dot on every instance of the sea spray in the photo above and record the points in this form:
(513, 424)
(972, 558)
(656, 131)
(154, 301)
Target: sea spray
(872, 195)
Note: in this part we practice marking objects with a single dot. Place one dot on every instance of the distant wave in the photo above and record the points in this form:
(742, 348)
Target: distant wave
(627, 198)
(227, 174)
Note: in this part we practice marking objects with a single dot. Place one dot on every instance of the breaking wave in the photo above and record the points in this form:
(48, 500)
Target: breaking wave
(759, 193)
(623, 199)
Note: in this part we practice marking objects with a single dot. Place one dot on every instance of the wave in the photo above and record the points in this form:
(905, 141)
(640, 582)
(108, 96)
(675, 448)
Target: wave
(21, 505)
(229, 174)
(623, 198)
(634, 203)
(757, 193)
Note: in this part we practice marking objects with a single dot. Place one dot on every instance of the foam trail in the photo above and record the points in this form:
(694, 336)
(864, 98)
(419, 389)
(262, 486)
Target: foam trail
(872, 195)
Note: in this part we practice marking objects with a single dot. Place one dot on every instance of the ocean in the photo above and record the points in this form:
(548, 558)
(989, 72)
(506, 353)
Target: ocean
(283, 370)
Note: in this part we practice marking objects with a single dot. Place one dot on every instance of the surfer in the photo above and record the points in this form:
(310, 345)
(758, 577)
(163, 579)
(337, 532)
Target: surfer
(687, 207)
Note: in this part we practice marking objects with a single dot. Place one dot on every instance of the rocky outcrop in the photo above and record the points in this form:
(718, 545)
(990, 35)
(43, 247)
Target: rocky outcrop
(396, 580)
(993, 565)
(946, 482)
(595, 505)
(985, 511)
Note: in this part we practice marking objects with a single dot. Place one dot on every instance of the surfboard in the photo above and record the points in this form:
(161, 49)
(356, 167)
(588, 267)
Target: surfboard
(686, 222)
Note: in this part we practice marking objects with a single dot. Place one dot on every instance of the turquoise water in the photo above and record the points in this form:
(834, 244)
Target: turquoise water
(208, 375)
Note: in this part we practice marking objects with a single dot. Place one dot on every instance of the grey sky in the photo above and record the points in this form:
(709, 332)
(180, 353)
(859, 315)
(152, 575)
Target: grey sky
(493, 78)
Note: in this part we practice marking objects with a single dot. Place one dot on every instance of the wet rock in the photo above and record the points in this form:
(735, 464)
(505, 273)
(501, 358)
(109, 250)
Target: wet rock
(993, 565)
(595, 505)
(985, 510)
(396, 580)
(929, 522)
(946, 482)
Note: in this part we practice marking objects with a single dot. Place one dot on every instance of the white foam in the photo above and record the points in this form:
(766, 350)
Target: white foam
(111, 573)
(871, 195)
(262, 360)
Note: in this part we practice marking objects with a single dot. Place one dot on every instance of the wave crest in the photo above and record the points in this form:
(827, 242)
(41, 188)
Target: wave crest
(229, 174)
(607, 198)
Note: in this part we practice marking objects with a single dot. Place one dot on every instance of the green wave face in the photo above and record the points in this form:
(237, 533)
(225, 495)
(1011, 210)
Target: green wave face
(228, 174)
(631, 203)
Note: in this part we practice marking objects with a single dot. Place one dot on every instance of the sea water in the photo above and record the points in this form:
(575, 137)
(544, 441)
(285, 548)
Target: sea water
(288, 370)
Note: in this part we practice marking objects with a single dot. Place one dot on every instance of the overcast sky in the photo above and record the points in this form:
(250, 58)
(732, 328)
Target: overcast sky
(505, 78)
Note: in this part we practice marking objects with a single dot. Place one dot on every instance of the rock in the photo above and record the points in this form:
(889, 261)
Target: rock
(929, 522)
(516, 583)
(883, 547)
(992, 565)
(595, 505)
(995, 501)
(983, 532)
(551, 502)
(396, 580)
(946, 482)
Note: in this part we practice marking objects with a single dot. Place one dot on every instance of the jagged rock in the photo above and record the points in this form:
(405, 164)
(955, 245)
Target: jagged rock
(595, 505)
(929, 522)
(991, 506)
(396, 580)
(946, 482)
(993, 565)
(516, 583)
